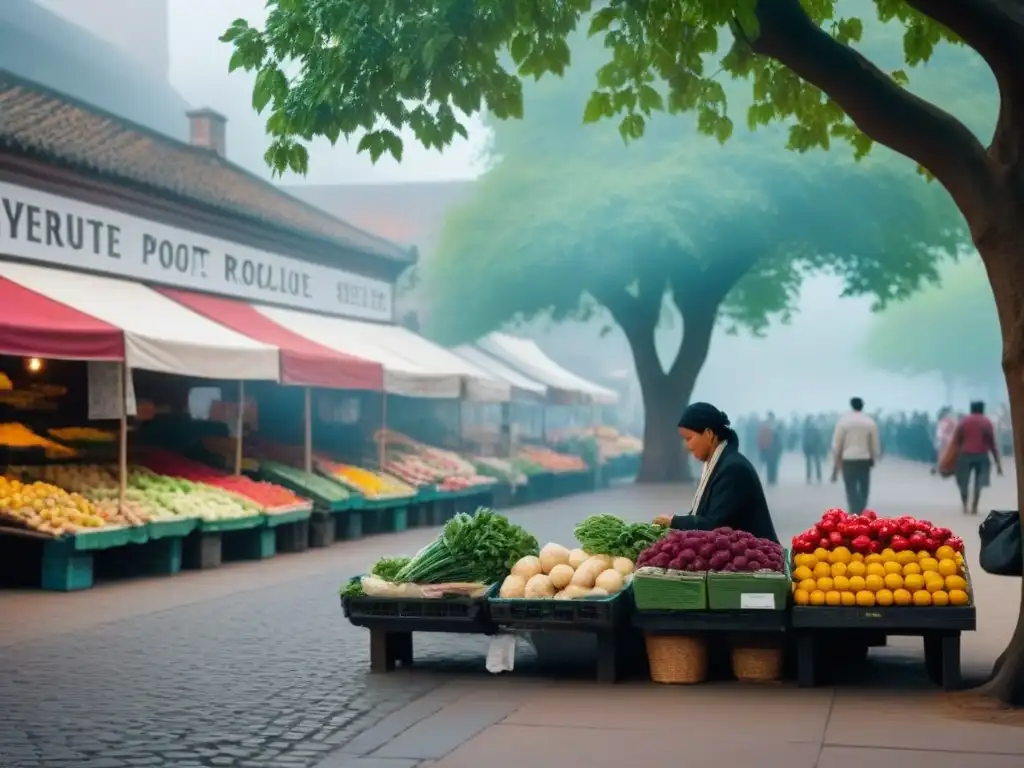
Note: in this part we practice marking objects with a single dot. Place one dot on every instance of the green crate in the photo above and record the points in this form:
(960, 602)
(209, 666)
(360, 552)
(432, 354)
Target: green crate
(750, 591)
(284, 518)
(171, 529)
(231, 524)
(101, 539)
(671, 592)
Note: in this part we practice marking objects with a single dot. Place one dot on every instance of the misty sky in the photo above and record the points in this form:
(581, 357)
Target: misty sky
(199, 72)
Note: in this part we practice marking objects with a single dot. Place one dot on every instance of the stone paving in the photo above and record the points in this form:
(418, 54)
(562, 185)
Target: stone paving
(253, 666)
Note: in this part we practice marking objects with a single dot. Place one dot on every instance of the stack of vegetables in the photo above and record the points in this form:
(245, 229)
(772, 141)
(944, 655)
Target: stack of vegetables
(722, 550)
(101, 486)
(548, 460)
(471, 553)
(421, 465)
(320, 489)
(866, 560)
(46, 508)
(563, 574)
(269, 497)
(187, 499)
(370, 484)
(500, 469)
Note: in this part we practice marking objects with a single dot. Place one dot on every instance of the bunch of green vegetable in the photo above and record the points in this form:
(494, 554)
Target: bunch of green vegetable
(608, 535)
(388, 568)
(353, 588)
(471, 548)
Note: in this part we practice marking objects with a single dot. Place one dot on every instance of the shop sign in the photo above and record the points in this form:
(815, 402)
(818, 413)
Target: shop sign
(68, 233)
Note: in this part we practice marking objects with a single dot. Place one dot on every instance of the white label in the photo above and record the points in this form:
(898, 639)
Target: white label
(757, 601)
(105, 391)
(68, 233)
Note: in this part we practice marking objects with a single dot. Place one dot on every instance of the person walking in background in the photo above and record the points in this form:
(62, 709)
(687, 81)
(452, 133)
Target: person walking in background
(975, 437)
(812, 443)
(769, 444)
(944, 430)
(855, 448)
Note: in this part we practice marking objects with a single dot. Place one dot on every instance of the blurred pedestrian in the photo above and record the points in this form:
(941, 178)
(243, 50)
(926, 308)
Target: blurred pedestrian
(812, 443)
(770, 446)
(855, 448)
(975, 437)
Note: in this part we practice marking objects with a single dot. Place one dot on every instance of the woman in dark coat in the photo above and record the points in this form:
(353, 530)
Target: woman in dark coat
(730, 492)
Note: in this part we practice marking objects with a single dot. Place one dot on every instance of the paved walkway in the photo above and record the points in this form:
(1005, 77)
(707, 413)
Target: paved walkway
(253, 666)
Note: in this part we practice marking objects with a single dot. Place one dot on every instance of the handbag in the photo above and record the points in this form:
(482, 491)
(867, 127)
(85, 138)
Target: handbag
(1000, 552)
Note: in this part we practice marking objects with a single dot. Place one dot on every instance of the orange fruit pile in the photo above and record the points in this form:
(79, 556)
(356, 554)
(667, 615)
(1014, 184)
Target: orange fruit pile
(839, 577)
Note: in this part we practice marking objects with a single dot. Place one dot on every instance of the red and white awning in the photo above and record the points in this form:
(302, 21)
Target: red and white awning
(61, 314)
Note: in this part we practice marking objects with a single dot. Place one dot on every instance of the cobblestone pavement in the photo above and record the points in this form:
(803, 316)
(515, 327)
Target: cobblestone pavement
(252, 665)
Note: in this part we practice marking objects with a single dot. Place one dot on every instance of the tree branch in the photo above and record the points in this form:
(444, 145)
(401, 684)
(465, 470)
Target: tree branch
(880, 108)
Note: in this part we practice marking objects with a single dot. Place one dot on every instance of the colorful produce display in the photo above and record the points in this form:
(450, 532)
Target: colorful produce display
(866, 560)
(187, 499)
(316, 487)
(501, 470)
(372, 485)
(421, 465)
(722, 550)
(267, 496)
(471, 553)
(537, 458)
(562, 574)
(101, 486)
(45, 508)
(15, 435)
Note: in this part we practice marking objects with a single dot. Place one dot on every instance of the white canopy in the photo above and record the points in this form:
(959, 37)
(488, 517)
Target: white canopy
(525, 356)
(522, 386)
(413, 366)
(159, 334)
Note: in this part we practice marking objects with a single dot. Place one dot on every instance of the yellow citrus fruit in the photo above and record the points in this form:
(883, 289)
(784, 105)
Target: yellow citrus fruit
(929, 564)
(825, 583)
(856, 557)
(801, 573)
(833, 598)
(911, 568)
(805, 559)
(923, 555)
(940, 597)
(849, 599)
(906, 556)
(876, 569)
(934, 585)
(948, 567)
(883, 597)
(865, 598)
(874, 557)
(956, 582)
(913, 581)
(838, 569)
(821, 555)
(857, 583)
(808, 585)
(839, 555)
(817, 597)
(802, 596)
(874, 582)
(958, 597)
(887, 555)
(841, 583)
(821, 569)
(891, 566)
(902, 597)
(856, 568)
(945, 552)
(893, 581)
(922, 597)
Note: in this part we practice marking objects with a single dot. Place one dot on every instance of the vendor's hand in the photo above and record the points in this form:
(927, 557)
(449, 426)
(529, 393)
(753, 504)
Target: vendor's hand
(665, 520)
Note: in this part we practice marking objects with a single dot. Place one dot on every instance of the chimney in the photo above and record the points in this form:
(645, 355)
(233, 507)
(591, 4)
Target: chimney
(207, 129)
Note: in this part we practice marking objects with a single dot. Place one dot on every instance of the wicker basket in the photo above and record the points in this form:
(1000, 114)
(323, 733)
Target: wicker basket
(676, 659)
(757, 665)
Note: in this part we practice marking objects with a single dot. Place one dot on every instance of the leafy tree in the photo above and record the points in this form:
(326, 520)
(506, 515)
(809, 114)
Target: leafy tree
(417, 65)
(952, 330)
(570, 219)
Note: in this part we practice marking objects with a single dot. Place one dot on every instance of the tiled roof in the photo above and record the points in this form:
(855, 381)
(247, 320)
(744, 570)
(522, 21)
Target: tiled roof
(408, 212)
(33, 118)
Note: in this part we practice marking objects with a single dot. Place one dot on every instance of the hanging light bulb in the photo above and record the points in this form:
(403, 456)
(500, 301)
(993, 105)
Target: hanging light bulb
(33, 365)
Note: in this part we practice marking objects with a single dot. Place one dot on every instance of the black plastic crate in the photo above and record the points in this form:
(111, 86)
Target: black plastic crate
(580, 614)
(895, 619)
(419, 614)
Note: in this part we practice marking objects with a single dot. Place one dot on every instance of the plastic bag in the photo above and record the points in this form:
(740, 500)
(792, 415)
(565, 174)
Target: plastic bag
(1000, 552)
(501, 654)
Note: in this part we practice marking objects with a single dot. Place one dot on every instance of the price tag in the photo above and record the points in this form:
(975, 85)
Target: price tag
(757, 601)
(105, 391)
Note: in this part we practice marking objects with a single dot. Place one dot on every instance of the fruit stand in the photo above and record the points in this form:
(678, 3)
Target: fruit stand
(860, 579)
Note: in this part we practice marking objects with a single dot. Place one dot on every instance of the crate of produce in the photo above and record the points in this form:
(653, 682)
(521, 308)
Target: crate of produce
(759, 591)
(416, 614)
(656, 589)
(326, 492)
(584, 613)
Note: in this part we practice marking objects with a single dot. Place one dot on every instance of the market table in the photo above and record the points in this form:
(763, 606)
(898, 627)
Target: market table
(816, 628)
(214, 541)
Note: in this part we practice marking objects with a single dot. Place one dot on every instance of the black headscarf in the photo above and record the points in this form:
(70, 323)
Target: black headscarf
(701, 416)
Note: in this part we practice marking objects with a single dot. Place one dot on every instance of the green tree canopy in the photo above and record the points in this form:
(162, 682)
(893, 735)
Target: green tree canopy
(950, 329)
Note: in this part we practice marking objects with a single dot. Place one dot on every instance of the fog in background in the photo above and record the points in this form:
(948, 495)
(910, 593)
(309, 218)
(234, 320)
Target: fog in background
(813, 364)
